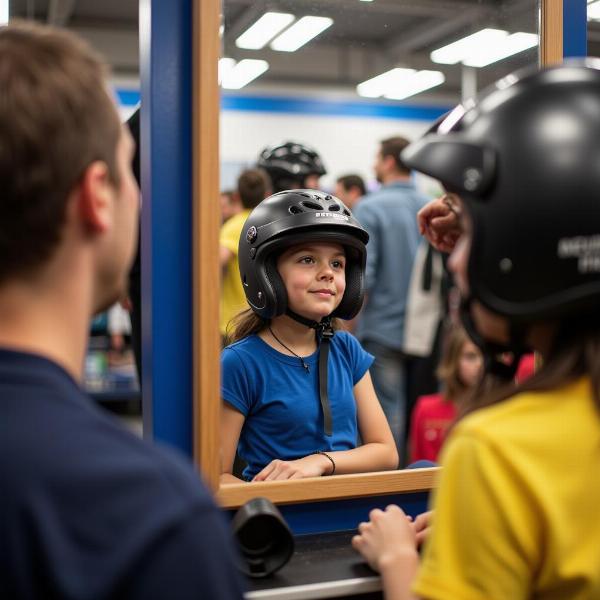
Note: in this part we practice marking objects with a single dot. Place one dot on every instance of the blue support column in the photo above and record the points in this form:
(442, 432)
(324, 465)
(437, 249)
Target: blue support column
(166, 159)
(574, 28)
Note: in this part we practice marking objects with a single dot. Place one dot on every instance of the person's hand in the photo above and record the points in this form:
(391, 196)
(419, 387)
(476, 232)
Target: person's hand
(387, 540)
(422, 526)
(313, 465)
(439, 222)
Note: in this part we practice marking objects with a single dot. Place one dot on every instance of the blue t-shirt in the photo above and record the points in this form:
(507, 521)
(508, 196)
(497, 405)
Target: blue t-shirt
(390, 217)
(281, 403)
(88, 510)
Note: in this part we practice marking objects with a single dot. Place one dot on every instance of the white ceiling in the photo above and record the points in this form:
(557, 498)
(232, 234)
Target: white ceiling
(366, 38)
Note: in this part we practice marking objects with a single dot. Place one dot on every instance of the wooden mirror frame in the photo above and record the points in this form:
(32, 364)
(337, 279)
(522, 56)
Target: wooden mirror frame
(206, 219)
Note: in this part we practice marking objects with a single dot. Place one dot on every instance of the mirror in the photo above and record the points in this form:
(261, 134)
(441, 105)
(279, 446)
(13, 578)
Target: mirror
(310, 95)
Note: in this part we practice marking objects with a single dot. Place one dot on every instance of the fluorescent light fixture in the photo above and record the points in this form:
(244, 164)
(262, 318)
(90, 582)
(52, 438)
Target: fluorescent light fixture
(243, 73)
(398, 83)
(468, 46)
(300, 33)
(379, 85)
(512, 44)
(4, 12)
(264, 30)
(415, 83)
(593, 11)
(225, 66)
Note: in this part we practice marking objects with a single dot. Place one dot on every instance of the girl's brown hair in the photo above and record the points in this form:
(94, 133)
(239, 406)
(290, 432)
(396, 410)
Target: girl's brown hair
(248, 322)
(447, 372)
(574, 353)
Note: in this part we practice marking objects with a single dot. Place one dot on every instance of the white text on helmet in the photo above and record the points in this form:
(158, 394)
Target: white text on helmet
(330, 214)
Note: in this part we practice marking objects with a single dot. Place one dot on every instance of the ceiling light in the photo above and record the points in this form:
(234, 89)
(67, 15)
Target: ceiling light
(379, 85)
(225, 66)
(415, 83)
(468, 46)
(300, 33)
(593, 11)
(243, 73)
(264, 30)
(398, 83)
(512, 44)
(4, 12)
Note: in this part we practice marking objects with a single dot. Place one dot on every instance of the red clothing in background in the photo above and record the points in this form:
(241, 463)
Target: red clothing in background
(526, 367)
(431, 418)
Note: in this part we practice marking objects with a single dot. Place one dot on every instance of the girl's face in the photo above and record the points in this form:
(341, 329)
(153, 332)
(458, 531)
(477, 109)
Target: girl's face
(315, 278)
(470, 363)
(490, 325)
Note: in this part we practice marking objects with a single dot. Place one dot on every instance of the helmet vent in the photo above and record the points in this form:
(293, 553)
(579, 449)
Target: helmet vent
(347, 212)
(295, 210)
(311, 205)
(334, 207)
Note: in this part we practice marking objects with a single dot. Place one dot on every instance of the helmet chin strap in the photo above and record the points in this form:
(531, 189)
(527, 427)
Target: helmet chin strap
(492, 350)
(323, 333)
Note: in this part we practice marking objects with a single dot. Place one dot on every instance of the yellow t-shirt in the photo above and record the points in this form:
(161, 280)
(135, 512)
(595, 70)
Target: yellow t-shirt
(517, 507)
(233, 299)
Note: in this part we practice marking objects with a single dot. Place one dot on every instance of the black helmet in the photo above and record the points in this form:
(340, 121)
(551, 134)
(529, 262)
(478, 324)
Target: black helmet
(292, 217)
(525, 158)
(289, 164)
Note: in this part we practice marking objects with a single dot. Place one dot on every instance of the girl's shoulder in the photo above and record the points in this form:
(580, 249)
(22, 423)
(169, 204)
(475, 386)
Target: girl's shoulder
(251, 345)
(345, 338)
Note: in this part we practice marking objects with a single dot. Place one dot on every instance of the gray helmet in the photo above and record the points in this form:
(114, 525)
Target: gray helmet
(288, 165)
(291, 217)
(525, 158)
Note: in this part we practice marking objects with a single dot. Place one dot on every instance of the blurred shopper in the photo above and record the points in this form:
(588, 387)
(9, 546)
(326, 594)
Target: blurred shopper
(350, 189)
(87, 509)
(459, 373)
(230, 203)
(389, 216)
(252, 187)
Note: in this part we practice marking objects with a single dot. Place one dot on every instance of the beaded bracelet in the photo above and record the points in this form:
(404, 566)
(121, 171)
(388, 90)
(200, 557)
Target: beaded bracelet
(329, 457)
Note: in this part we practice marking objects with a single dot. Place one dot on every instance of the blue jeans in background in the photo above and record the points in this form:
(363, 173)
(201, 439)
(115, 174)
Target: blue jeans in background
(388, 372)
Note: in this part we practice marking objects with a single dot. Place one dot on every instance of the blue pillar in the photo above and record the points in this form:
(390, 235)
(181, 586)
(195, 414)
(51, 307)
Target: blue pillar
(166, 159)
(574, 28)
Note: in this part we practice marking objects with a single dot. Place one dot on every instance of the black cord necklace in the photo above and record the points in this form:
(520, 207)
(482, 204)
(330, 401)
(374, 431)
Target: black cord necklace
(290, 350)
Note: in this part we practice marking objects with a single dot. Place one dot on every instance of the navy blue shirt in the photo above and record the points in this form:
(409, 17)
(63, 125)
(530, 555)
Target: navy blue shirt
(281, 402)
(87, 510)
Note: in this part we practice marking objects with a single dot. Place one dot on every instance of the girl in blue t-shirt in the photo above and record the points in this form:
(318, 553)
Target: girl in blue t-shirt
(297, 392)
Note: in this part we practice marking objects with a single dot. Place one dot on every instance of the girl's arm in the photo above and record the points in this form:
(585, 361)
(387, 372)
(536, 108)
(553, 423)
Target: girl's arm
(232, 421)
(378, 452)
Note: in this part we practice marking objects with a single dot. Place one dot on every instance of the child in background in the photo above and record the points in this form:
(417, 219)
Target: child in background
(297, 393)
(459, 372)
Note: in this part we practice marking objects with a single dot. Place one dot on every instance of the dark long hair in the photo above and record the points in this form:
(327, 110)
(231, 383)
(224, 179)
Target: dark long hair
(575, 352)
(247, 322)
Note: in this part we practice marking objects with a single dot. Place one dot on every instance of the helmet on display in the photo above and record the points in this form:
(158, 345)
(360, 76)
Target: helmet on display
(289, 164)
(525, 159)
(292, 217)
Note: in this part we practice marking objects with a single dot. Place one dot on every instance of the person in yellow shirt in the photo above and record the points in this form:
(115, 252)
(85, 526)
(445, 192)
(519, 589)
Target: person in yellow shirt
(252, 188)
(515, 512)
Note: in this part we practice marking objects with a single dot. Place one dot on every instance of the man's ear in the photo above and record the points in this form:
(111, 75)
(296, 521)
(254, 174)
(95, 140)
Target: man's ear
(95, 199)
(390, 163)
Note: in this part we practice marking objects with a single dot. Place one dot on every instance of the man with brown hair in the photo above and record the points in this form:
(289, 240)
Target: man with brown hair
(390, 217)
(87, 510)
(350, 189)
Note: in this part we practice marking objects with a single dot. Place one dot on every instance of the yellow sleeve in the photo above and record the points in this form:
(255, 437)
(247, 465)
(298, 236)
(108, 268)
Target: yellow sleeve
(229, 236)
(485, 539)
